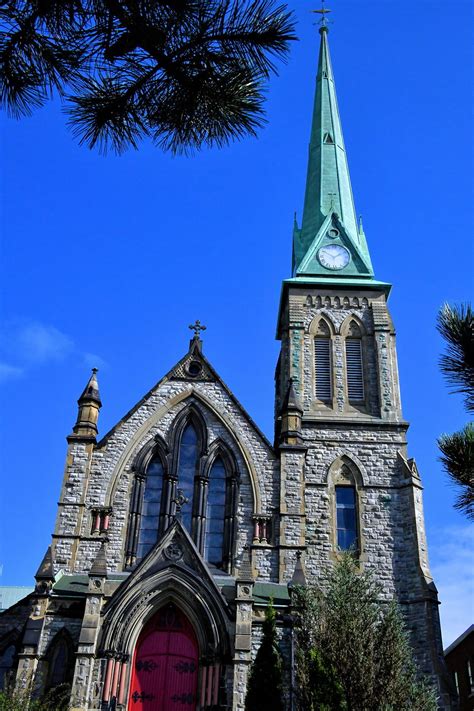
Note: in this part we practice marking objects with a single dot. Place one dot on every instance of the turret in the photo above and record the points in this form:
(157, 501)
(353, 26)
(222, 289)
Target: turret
(89, 405)
(291, 413)
(45, 574)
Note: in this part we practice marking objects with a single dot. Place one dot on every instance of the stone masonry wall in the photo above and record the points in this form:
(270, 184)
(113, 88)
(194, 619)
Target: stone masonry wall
(109, 482)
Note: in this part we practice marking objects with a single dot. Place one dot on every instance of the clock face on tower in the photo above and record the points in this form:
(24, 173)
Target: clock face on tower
(334, 256)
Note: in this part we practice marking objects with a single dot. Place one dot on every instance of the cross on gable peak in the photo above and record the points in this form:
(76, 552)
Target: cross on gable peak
(197, 327)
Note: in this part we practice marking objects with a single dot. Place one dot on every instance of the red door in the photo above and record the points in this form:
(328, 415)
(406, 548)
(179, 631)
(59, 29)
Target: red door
(165, 664)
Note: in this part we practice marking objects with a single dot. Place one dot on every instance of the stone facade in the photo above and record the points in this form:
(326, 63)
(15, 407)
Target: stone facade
(127, 561)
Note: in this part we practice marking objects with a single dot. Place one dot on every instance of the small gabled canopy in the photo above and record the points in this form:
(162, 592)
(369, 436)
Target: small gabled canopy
(291, 400)
(46, 570)
(245, 570)
(174, 548)
(299, 577)
(99, 566)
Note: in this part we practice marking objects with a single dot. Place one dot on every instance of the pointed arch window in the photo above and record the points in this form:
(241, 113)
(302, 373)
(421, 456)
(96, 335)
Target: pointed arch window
(323, 363)
(150, 513)
(187, 469)
(208, 479)
(215, 514)
(345, 485)
(354, 364)
(346, 518)
(60, 659)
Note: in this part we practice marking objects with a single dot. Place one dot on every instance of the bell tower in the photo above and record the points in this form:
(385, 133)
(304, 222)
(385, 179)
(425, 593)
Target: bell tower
(346, 480)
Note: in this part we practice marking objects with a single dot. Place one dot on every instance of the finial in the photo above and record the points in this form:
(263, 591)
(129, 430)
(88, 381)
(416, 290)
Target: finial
(299, 577)
(323, 12)
(180, 500)
(197, 327)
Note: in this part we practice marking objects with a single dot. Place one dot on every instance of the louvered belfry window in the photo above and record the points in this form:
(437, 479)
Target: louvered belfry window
(354, 367)
(323, 363)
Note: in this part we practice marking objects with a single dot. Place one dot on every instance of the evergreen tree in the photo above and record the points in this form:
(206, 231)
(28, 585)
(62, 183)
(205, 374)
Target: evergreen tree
(183, 72)
(265, 683)
(456, 325)
(366, 660)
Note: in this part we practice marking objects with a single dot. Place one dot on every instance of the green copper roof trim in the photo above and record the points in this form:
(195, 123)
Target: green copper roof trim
(359, 264)
(349, 283)
(328, 193)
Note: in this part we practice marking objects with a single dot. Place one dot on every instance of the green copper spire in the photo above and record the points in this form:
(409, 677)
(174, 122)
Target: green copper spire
(329, 217)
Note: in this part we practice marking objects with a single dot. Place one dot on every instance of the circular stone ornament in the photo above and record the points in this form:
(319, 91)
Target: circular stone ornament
(194, 368)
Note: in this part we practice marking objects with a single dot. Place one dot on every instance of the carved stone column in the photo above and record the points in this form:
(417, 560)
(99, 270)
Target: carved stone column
(87, 647)
(243, 631)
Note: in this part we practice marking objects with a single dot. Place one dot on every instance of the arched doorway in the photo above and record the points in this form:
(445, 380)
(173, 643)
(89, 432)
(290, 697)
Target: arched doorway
(165, 664)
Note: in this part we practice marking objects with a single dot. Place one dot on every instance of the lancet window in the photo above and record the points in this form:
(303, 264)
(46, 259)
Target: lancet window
(323, 366)
(202, 484)
(354, 364)
(346, 518)
(151, 506)
(345, 484)
(60, 661)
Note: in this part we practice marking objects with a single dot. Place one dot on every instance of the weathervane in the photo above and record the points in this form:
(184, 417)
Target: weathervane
(197, 328)
(323, 12)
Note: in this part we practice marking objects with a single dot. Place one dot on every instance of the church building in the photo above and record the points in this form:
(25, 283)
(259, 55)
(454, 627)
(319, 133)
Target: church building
(175, 528)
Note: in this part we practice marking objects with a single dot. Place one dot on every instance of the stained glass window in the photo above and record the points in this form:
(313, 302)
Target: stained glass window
(188, 455)
(150, 517)
(215, 514)
(346, 518)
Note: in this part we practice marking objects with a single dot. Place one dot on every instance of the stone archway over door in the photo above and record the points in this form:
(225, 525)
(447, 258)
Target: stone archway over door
(165, 664)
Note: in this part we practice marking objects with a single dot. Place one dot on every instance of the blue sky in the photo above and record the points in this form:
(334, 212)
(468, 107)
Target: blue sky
(105, 261)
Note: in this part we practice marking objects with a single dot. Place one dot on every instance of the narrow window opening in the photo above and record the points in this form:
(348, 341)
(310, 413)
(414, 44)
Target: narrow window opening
(149, 524)
(188, 456)
(215, 514)
(346, 516)
(354, 369)
(328, 138)
(323, 369)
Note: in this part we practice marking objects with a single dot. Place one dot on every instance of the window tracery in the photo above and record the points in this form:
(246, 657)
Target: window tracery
(206, 480)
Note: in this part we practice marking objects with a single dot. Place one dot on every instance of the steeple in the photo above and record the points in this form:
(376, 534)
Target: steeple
(329, 217)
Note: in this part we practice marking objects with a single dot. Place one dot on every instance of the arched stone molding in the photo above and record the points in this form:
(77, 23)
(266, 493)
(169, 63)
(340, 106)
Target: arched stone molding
(346, 327)
(125, 619)
(353, 463)
(61, 638)
(318, 324)
(130, 450)
(219, 448)
(154, 447)
(344, 472)
(353, 329)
